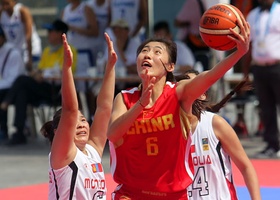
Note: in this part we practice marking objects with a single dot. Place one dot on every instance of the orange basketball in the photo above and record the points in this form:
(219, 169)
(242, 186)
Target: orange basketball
(215, 23)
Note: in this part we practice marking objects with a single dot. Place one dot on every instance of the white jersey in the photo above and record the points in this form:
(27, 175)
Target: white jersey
(15, 32)
(212, 166)
(78, 19)
(102, 16)
(82, 43)
(82, 179)
(127, 10)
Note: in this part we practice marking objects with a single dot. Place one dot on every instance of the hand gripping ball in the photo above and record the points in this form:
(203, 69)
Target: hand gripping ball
(215, 23)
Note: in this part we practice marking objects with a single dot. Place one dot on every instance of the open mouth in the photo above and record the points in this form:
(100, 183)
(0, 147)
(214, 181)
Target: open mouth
(146, 64)
(81, 133)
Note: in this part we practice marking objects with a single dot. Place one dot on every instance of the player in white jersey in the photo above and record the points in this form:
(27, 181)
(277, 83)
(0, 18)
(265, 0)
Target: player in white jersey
(75, 169)
(17, 23)
(135, 12)
(82, 24)
(214, 144)
(101, 11)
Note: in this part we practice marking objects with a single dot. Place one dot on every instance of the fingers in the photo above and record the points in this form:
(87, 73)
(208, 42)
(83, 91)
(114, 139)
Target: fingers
(109, 41)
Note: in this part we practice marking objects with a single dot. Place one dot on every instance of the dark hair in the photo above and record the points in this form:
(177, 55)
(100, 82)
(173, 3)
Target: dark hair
(171, 50)
(48, 128)
(200, 105)
(162, 25)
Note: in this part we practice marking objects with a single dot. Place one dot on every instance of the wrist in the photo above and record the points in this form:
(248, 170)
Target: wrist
(141, 104)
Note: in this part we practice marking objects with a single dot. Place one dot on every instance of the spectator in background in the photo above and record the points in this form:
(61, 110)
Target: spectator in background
(187, 22)
(264, 56)
(101, 11)
(17, 23)
(11, 67)
(240, 126)
(83, 26)
(125, 47)
(134, 12)
(34, 89)
(244, 6)
(83, 30)
(185, 58)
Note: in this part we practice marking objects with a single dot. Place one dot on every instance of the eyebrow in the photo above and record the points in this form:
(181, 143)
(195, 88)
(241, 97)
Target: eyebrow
(148, 46)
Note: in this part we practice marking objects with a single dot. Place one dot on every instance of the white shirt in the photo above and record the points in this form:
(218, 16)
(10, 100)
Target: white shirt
(185, 56)
(78, 19)
(14, 65)
(265, 33)
(15, 32)
(102, 15)
(82, 179)
(127, 10)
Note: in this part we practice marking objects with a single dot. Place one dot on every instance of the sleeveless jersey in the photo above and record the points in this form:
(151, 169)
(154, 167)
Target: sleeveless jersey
(212, 165)
(127, 10)
(15, 32)
(149, 158)
(77, 18)
(82, 43)
(102, 16)
(82, 179)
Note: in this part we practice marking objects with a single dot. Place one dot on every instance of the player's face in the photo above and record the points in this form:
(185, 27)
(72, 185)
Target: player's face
(82, 131)
(152, 57)
(8, 5)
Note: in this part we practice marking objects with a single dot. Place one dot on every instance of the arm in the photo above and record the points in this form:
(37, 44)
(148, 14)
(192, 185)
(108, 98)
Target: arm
(92, 28)
(99, 127)
(28, 22)
(63, 148)
(231, 144)
(189, 90)
(143, 17)
(121, 118)
(246, 61)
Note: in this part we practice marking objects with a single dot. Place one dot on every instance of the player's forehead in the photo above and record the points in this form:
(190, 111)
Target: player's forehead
(155, 45)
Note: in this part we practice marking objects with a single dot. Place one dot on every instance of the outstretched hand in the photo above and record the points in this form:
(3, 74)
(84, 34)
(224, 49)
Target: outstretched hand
(242, 39)
(68, 55)
(112, 56)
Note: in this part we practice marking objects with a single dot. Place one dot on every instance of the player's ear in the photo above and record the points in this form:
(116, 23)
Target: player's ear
(170, 67)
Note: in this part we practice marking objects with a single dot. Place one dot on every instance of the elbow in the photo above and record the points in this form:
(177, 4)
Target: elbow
(110, 136)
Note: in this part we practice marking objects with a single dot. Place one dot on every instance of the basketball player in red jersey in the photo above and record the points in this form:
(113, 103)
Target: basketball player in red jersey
(148, 151)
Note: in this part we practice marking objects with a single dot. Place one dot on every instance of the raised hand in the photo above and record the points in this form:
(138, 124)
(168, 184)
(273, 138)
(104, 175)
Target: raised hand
(242, 39)
(112, 56)
(68, 55)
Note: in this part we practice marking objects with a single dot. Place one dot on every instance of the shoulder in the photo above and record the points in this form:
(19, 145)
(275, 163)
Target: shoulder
(218, 120)
(221, 127)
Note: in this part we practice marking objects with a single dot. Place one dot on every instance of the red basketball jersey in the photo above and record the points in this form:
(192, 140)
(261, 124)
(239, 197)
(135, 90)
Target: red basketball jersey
(151, 156)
